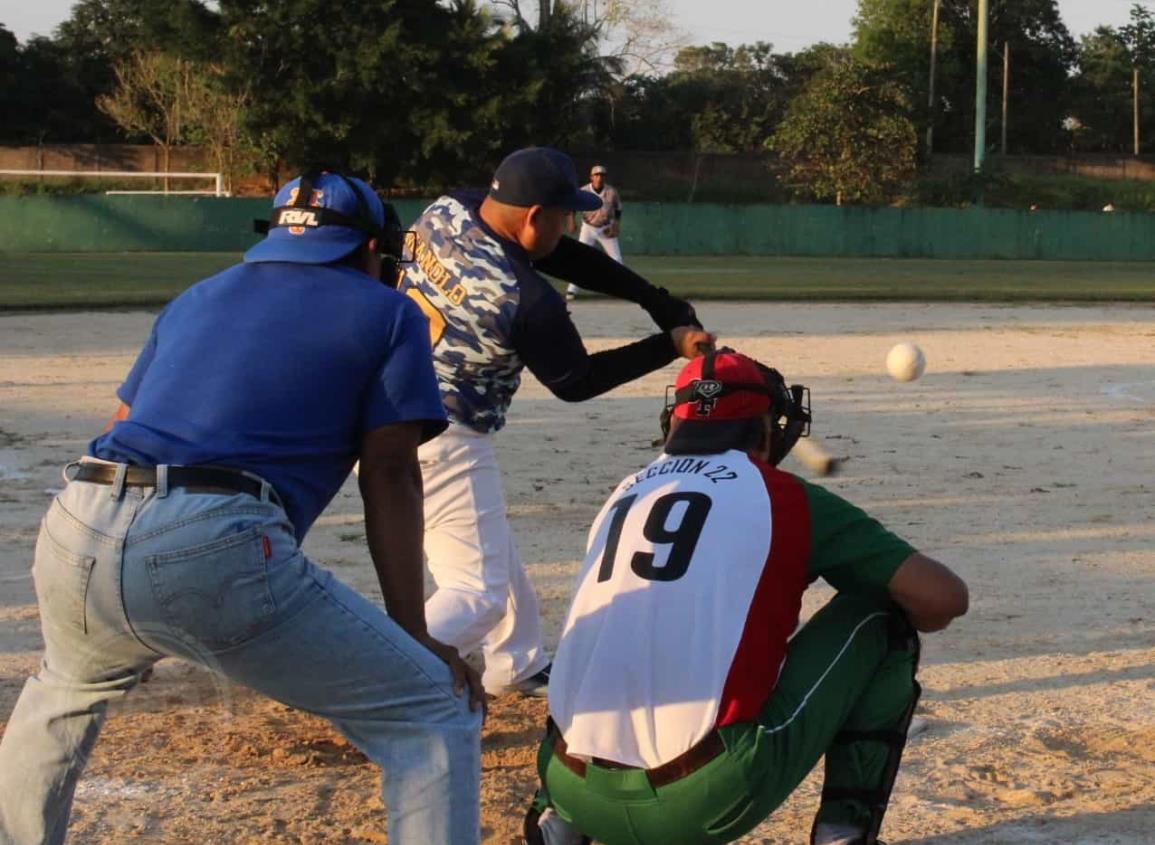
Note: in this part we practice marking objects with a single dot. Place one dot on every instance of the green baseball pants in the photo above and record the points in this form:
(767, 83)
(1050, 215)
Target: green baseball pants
(843, 672)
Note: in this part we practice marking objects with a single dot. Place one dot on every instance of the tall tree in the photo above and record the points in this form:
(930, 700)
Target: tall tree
(1100, 116)
(849, 136)
(406, 88)
(1110, 61)
(551, 78)
(336, 83)
(61, 78)
(98, 33)
(153, 96)
(717, 98)
(1139, 37)
(43, 97)
(749, 93)
(214, 119)
(11, 84)
(640, 34)
(898, 32)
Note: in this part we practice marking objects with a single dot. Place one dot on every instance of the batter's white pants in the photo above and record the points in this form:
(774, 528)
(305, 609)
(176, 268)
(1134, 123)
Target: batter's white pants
(484, 598)
(591, 235)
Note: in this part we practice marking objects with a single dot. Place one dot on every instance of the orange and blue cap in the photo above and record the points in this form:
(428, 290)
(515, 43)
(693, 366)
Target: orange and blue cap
(340, 214)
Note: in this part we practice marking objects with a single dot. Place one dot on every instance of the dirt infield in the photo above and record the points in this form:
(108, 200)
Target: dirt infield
(1024, 459)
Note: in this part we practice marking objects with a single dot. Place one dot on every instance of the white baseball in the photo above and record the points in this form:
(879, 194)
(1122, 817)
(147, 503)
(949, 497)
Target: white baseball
(905, 362)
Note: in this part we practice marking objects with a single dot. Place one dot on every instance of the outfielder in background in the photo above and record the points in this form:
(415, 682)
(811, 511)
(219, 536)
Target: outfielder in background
(491, 314)
(679, 711)
(602, 225)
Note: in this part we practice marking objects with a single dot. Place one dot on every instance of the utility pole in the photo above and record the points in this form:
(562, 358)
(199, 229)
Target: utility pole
(1135, 106)
(981, 87)
(930, 87)
(1006, 89)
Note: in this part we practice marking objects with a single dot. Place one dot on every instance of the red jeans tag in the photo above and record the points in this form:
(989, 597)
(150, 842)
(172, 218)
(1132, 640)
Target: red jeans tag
(268, 547)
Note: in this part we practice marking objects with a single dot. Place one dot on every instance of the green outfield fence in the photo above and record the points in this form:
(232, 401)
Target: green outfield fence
(95, 223)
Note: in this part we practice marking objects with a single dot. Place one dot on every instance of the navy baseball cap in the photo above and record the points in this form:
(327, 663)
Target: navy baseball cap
(541, 176)
(321, 244)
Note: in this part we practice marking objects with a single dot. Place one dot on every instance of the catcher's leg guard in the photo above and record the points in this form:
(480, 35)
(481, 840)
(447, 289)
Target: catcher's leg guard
(903, 638)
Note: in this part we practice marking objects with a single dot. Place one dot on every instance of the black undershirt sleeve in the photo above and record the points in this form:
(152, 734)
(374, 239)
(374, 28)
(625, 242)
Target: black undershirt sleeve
(592, 269)
(548, 342)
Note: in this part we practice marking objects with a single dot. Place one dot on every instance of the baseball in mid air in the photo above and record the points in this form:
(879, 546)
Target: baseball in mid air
(905, 362)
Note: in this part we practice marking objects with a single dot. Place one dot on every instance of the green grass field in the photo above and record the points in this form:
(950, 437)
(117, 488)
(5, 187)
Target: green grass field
(117, 280)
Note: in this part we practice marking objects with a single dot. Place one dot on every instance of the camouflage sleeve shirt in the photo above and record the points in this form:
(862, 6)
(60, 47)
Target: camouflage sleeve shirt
(491, 314)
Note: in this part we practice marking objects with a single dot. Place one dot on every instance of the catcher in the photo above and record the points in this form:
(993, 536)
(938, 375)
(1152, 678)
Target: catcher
(682, 710)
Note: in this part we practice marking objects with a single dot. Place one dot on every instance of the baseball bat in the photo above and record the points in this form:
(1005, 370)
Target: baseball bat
(813, 455)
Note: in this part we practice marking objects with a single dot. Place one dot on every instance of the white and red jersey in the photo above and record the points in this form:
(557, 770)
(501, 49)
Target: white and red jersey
(690, 588)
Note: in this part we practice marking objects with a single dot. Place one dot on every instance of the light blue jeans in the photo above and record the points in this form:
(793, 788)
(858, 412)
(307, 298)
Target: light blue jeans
(125, 576)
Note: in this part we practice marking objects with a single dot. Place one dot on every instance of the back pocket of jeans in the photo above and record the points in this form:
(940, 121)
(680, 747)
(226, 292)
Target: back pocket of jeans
(62, 577)
(217, 594)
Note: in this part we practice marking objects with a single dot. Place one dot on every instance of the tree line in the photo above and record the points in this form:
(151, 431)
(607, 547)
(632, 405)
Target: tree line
(432, 93)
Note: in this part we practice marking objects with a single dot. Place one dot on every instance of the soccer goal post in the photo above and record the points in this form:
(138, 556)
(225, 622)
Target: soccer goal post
(218, 189)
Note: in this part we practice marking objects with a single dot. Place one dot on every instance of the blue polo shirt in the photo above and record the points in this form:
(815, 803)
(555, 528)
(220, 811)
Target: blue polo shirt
(279, 369)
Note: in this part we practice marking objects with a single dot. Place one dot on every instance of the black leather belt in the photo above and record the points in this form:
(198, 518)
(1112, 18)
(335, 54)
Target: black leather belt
(196, 479)
(699, 755)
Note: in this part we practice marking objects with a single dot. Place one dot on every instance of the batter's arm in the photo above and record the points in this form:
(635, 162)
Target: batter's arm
(591, 269)
(548, 342)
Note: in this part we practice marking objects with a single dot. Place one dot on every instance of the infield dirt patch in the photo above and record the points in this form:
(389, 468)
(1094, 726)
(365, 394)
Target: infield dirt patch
(1023, 459)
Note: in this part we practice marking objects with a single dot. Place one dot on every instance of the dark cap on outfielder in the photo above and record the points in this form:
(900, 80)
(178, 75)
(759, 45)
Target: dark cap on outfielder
(541, 176)
(715, 407)
(312, 242)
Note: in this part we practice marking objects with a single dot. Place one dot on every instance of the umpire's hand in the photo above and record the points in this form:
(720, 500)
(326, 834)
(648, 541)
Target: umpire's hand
(464, 675)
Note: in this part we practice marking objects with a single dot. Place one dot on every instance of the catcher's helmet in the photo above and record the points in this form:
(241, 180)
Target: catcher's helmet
(720, 399)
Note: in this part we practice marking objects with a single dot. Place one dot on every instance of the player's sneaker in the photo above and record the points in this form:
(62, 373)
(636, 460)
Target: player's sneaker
(839, 834)
(570, 296)
(535, 686)
(546, 827)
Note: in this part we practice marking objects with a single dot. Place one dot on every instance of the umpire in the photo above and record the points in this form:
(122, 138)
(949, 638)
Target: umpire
(179, 532)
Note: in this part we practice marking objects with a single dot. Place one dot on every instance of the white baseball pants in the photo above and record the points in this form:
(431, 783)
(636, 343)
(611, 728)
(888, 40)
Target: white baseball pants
(590, 235)
(484, 598)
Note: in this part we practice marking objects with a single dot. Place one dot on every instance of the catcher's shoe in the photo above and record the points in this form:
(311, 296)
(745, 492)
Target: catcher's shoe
(546, 827)
(535, 686)
(838, 834)
(851, 839)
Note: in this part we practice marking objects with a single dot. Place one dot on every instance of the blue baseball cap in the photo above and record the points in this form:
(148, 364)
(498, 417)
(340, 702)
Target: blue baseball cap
(541, 176)
(319, 241)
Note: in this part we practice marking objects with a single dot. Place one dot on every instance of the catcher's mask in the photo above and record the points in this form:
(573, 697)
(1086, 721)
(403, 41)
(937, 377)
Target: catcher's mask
(306, 212)
(721, 399)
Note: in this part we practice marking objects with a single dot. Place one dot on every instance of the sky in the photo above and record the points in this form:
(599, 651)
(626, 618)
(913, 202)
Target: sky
(787, 24)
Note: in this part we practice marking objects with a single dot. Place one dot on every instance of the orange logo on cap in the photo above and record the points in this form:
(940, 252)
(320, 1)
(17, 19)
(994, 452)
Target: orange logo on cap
(315, 199)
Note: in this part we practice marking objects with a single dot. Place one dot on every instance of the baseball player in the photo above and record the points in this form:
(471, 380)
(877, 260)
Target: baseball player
(179, 532)
(491, 314)
(603, 224)
(681, 708)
